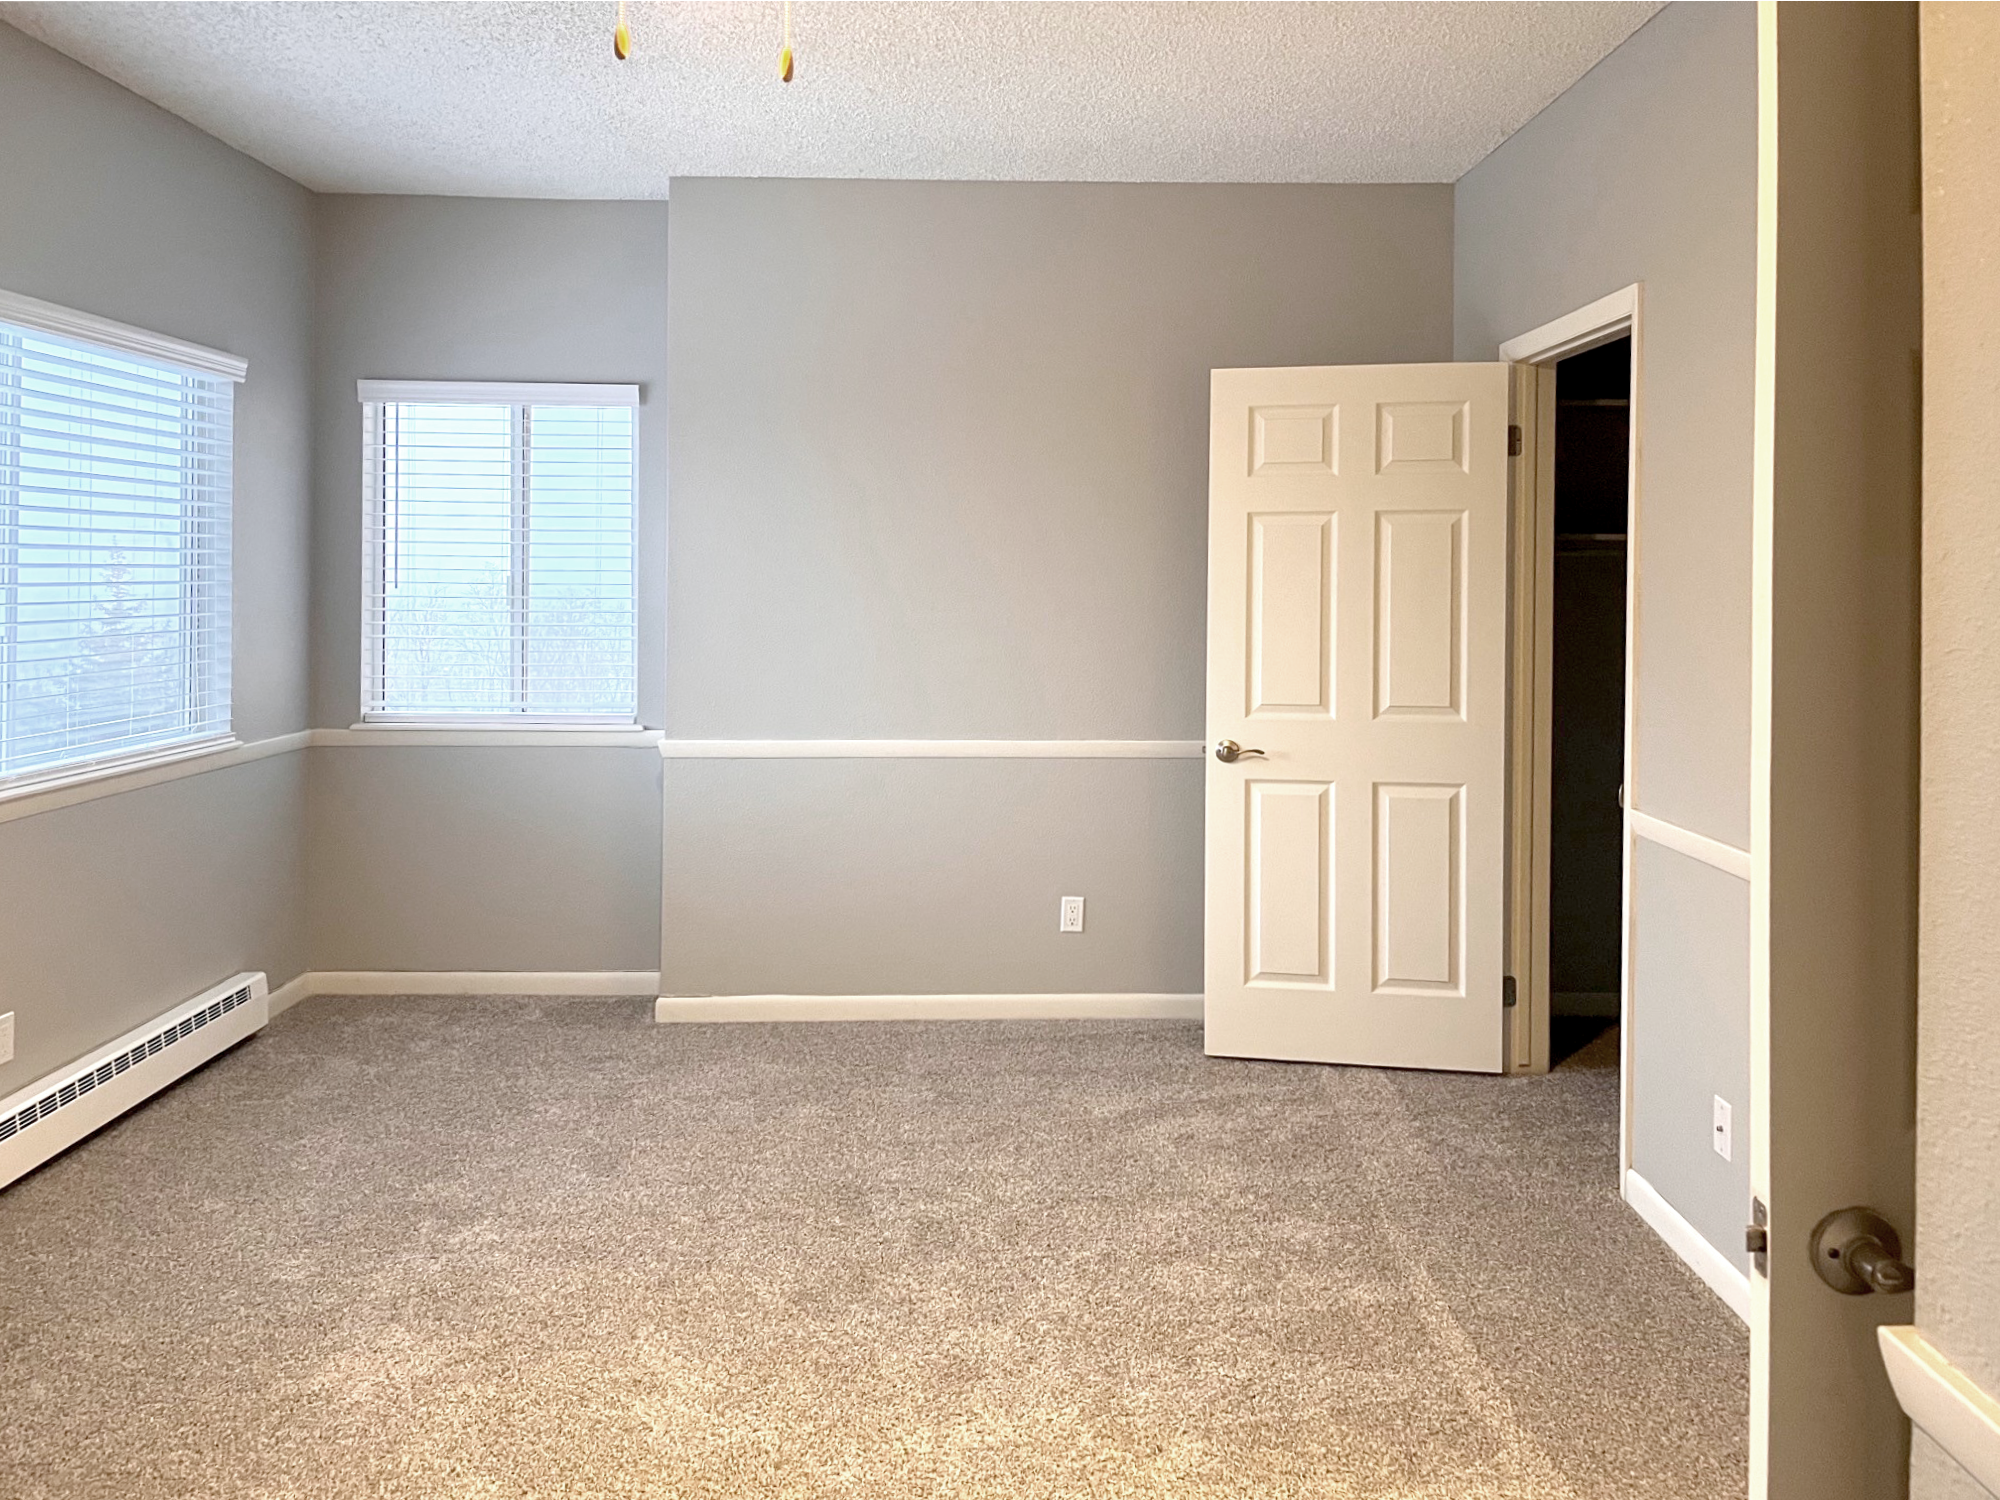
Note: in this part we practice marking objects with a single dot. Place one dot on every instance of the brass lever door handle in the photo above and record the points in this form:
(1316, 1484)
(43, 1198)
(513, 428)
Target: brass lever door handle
(1229, 752)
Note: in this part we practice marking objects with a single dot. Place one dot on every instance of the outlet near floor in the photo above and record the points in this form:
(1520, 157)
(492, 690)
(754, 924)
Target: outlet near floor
(1072, 914)
(7, 1037)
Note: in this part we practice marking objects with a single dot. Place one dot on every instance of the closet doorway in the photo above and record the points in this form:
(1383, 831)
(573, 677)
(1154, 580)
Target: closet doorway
(1593, 437)
(1576, 501)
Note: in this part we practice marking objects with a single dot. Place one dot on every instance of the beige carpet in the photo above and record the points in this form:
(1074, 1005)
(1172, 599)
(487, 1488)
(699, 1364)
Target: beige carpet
(543, 1248)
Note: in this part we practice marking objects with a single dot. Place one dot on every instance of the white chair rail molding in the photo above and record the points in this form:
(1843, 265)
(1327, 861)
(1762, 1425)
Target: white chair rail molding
(1945, 1402)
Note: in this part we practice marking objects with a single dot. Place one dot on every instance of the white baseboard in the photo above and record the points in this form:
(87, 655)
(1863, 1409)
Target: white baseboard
(926, 1007)
(285, 996)
(1724, 1277)
(734, 1007)
(464, 982)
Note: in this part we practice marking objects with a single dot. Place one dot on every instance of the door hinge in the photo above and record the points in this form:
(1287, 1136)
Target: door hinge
(1757, 1237)
(1513, 440)
(1507, 1001)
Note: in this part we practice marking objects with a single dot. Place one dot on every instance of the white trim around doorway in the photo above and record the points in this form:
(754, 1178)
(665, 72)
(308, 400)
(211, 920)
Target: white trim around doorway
(1613, 316)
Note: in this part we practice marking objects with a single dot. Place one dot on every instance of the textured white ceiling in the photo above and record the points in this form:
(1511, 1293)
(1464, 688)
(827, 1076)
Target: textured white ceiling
(525, 100)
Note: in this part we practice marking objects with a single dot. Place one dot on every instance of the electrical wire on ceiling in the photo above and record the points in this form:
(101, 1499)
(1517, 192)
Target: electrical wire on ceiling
(621, 36)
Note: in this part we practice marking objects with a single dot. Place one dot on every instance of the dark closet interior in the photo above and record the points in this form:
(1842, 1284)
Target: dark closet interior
(1593, 437)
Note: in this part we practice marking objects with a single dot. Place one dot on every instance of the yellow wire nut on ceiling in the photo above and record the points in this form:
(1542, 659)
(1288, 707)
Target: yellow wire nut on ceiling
(621, 36)
(785, 52)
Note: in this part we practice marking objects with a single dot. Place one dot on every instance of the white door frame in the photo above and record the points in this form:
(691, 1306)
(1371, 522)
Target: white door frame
(1608, 318)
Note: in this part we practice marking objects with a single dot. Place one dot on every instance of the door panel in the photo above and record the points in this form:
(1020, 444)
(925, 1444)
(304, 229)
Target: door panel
(1419, 868)
(1291, 882)
(1293, 439)
(1420, 604)
(1291, 614)
(1357, 638)
(1420, 435)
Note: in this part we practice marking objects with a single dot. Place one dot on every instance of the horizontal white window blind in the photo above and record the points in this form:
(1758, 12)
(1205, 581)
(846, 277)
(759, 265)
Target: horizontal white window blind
(499, 559)
(114, 546)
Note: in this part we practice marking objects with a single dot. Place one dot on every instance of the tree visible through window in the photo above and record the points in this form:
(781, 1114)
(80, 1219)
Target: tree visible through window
(499, 561)
(114, 553)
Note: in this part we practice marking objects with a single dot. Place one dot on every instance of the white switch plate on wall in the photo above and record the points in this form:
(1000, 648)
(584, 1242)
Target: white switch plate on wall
(1072, 914)
(1719, 1137)
(7, 1037)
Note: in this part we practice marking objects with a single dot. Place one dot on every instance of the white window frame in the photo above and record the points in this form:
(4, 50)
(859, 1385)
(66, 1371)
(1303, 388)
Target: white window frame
(142, 343)
(483, 393)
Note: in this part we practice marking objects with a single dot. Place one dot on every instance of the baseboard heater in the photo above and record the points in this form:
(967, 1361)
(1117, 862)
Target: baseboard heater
(49, 1116)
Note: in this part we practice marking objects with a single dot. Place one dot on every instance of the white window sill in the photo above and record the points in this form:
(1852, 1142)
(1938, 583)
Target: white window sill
(106, 778)
(445, 733)
(58, 778)
(67, 786)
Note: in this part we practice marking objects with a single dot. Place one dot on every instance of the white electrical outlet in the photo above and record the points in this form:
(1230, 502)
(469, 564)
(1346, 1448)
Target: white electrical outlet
(1072, 914)
(1719, 1138)
(7, 1037)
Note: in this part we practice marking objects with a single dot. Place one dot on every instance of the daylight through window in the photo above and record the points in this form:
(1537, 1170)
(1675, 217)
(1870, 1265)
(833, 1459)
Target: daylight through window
(114, 553)
(499, 558)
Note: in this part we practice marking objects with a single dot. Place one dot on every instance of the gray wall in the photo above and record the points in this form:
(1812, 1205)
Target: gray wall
(476, 859)
(117, 208)
(1691, 1021)
(485, 858)
(1958, 997)
(939, 458)
(1646, 171)
(477, 289)
(926, 877)
(112, 910)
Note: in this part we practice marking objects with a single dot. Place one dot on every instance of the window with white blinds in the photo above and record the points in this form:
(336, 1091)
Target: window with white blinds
(499, 553)
(114, 543)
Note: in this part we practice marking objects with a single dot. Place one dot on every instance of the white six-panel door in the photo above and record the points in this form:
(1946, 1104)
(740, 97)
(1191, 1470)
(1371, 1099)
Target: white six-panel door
(1357, 637)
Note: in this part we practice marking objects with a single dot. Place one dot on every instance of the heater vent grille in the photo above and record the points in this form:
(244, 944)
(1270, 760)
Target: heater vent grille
(68, 1092)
